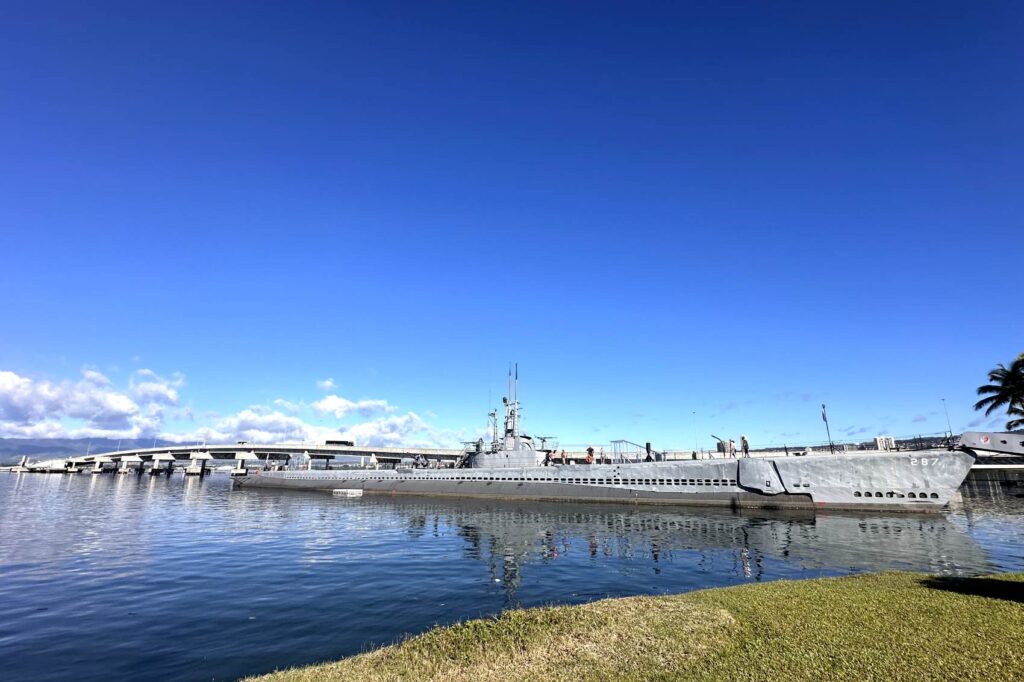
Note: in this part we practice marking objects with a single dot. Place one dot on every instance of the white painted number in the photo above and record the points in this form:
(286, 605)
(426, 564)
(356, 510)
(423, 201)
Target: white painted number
(924, 461)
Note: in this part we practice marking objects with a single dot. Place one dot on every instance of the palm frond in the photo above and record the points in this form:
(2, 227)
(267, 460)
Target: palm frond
(991, 403)
(998, 374)
(1018, 412)
(1006, 389)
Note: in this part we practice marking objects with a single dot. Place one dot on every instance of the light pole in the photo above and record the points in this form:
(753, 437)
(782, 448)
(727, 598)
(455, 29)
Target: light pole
(824, 418)
(947, 417)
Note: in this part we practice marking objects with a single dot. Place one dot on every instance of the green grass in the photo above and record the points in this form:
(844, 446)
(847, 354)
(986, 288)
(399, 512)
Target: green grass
(887, 626)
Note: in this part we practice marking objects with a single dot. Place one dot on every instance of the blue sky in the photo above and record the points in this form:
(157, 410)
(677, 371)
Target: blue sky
(662, 209)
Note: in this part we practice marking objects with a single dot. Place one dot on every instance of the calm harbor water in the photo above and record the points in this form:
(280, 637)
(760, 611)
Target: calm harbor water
(118, 577)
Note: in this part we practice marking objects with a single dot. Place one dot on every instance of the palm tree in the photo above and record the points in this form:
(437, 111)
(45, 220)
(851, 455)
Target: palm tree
(1016, 423)
(1005, 389)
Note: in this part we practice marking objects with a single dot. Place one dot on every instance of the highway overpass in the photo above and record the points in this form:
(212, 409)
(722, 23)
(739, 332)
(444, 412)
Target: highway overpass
(281, 452)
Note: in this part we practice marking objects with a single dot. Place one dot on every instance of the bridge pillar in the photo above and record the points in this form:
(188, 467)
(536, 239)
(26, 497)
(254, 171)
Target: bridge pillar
(97, 467)
(240, 459)
(156, 470)
(130, 464)
(167, 468)
(196, 468)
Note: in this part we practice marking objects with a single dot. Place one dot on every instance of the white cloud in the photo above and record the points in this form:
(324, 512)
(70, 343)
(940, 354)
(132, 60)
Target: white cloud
(204, 434)
(326, 384)
(25, 402)
(257, 424)
(147, 386)
(39, 408)
(260, 426)
(266, 426)
(339, 407)
(92, 407)
(287, 405)
(407, 429)
(95, 377)
(46, 429)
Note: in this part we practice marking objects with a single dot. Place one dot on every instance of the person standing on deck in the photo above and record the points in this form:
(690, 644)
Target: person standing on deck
(745, 446)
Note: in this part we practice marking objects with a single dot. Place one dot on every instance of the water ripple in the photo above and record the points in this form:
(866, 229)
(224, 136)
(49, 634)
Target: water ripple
(123, 577)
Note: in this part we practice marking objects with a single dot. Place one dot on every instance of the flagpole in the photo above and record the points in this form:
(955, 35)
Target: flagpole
(824, 418)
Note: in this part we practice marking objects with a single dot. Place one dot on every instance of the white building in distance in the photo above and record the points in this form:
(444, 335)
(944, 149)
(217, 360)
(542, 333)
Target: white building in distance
(885, 443)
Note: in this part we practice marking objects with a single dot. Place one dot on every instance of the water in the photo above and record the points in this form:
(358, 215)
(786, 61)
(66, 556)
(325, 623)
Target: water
(114, 577)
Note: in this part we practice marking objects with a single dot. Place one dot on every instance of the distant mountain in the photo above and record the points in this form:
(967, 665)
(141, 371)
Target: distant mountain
(11, 449)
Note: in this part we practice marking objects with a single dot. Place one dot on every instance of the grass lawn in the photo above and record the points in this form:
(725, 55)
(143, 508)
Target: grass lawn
(885, 626)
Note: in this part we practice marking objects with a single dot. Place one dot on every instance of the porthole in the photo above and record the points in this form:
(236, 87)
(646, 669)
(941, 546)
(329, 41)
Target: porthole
(856, 493)
(912, 495)
(935, 496)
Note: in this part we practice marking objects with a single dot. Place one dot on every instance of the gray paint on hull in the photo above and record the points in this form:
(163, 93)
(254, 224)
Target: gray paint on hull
(760, 475)
(892, 482)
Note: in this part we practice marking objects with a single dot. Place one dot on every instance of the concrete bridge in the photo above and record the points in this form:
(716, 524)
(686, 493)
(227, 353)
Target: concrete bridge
(162, 459)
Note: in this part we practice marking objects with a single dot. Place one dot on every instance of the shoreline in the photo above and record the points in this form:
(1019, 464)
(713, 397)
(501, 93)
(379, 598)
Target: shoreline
(890, 625)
